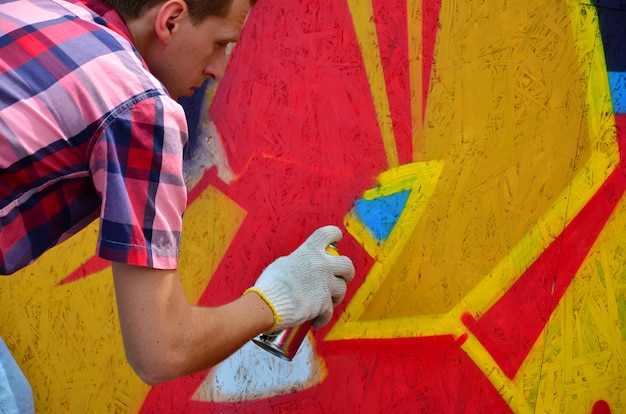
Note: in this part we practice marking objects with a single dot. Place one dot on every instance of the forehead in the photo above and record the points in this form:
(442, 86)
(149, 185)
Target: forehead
(228, 27)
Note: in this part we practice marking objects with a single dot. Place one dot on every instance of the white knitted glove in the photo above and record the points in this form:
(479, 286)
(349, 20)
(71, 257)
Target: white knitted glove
(307, 284)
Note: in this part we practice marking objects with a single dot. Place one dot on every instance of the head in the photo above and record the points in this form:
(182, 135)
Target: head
(198, 9)
(184, 41)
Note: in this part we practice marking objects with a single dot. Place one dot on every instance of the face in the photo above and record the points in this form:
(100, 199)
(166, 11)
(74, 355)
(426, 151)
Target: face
(195, 52)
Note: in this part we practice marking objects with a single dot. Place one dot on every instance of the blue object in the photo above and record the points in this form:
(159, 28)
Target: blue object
(381, 214)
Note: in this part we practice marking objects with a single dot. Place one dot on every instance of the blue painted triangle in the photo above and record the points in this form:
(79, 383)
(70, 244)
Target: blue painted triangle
(381, 214)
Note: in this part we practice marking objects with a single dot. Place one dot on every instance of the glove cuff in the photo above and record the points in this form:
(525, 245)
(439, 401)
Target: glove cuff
(277, 318)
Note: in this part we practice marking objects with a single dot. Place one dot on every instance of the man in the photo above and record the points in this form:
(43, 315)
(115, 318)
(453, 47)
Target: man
(90, 127)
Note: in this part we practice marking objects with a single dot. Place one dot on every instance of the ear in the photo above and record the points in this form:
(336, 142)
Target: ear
(168, 19)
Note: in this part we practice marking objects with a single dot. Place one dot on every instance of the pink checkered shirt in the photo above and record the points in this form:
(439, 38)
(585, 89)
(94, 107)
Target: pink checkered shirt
(85, 132)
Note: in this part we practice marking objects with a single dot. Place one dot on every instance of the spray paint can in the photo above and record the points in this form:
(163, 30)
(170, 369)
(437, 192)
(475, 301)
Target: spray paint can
(284, 344)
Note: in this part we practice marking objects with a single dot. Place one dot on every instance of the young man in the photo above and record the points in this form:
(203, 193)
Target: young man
(90, 128)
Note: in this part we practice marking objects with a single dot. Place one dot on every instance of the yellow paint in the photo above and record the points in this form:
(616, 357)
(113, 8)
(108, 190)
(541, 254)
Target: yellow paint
(509, 391)
(404, 178)
(422, 175)
(414, 29)
(363, 17)
(440, 235)
(67, 338)
(422, 179)
(506, 160)
(582, 354)
(580, 358)
(210, 225)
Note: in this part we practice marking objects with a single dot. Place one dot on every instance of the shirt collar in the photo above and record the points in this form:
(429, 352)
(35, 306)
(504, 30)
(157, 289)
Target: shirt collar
(111, 17)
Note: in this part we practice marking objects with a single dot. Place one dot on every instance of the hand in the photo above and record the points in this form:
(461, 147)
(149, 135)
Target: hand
(307, 284)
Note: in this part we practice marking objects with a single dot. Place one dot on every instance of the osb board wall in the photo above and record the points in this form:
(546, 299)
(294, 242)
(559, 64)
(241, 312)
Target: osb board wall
(472, 151)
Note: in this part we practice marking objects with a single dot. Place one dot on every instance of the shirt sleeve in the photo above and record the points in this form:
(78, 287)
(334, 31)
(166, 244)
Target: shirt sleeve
(136, 165)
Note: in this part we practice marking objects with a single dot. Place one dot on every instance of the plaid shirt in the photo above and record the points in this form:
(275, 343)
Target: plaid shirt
(85, 132)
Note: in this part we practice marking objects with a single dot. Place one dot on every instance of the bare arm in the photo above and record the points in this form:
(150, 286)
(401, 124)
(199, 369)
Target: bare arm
(165, 337)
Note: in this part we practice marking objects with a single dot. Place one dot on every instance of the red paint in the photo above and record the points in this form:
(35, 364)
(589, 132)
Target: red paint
(391, 19)
(391, 24)
(305, 147)
(429, 375)
(601, 407)
(93, 265)
(286, 97)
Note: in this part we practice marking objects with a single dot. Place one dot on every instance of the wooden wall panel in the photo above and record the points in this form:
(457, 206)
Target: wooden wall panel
(473, 153)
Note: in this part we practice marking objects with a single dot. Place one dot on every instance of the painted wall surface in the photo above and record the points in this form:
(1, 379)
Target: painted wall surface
(473, 153)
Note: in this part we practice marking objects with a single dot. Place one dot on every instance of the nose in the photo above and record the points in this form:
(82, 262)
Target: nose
(217, 66)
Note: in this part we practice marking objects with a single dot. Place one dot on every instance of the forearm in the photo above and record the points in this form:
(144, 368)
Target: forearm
(165, 337)
(233, 325)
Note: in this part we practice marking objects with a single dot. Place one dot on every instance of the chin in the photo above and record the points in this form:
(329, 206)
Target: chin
(177, 96)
